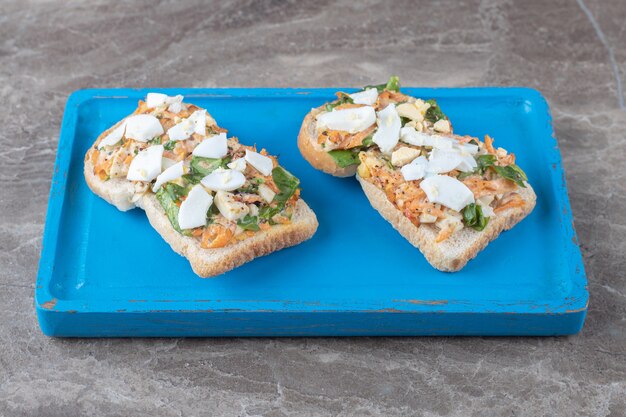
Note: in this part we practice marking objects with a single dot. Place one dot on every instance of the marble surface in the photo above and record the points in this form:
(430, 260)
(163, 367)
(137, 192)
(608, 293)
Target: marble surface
(573, 51)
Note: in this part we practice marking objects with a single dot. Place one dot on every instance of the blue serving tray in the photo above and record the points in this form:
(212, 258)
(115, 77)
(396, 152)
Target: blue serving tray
(106, 273)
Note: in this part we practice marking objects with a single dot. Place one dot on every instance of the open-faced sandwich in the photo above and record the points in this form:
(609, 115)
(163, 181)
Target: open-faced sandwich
(217, 202)
(448, 195)
(332, 135)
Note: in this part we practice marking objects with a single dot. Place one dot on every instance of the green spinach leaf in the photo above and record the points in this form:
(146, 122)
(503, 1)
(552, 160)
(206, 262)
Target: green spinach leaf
(167, 197)
(204, 166)
(473, 217)
(345, 157)
(434, 113)
(249, 222)
(343, 99)
(392, 85)
(287, 184)
(512, 172)
(169, 145)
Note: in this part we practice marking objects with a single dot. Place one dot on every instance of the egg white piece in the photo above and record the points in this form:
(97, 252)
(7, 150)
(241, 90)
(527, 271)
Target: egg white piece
(113, 137)
(146, 165)
(229, 207)
(388, 133)
(441, 161)
(143, 127)
(447, 191)
(170, 174)
(212, 147)
(416, 170)
(224, 180)
(175, 103)
(367, 97)
(238, 164)
(192, 211)
(351, 120)
(182, 130)
(261, 163)
(199, 121)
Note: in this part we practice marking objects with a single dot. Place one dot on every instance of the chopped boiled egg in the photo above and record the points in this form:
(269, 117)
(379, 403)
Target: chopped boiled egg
(113, 137)
(441, 161)
(192, 211)
(143, 127)
(199, 122)
(447, 191)
(212, 147)
(229, 207)
(388, 132)
(352, 120)
(175, 103)
(410, 111)
(442, 126)
(167, 162)
(416, 170)
(170, 174)
(224, 180)
(367, 97)
(404, 155)
(266, 193)
(182, 130)
(262, 163)
(238, 164)
(146, 165)
(413, 137)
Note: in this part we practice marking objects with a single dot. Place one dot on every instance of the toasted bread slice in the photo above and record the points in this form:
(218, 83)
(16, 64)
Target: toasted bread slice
(212, 262)
(314, 153)
(453, 253)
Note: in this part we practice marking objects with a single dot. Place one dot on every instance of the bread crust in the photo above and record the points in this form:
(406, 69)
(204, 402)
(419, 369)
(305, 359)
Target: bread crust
(213, 262)
(452, 254)
(314, 154)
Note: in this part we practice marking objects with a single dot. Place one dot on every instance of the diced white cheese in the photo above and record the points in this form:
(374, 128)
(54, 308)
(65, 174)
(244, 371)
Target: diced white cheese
(113, 137)
(143, 127)
(351, 120)
(262, 163)
(170, 174)
(410, 111)
(367, 97)
(266, 193)
(238, 164)
(442, 126)
(224, 180)
(415, 170)
(229, 207)
(404, 155)
(192, 211)
(175, 103)
(212, 147)
(146, 165)
(447, 191)
(388, 133)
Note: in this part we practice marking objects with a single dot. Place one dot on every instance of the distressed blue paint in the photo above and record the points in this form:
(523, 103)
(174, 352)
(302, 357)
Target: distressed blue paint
(107, 273)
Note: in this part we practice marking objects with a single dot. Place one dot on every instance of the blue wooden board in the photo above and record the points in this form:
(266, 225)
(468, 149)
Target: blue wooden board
(356, 276)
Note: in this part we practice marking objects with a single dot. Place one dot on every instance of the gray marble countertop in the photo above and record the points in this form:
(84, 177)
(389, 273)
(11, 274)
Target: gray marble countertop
(573, 51)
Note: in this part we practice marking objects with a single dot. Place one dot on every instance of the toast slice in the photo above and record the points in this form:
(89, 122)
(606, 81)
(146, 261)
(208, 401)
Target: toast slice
(453, 253)
(215, 201)
(335, 151)
(211, 262)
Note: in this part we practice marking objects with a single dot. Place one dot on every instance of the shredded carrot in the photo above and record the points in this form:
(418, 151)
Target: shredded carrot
(215, 236)
(357, 139)
(264, 226)
(489, 145)
(516, 201)
(444, 234)
(197, 232)
(128, 160)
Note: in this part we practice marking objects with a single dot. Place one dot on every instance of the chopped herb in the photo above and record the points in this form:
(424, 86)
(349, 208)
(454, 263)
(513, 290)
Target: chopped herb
(249, 222)
(512, 172)
(155, 141)
(404, 120)
(434, 113)
(169, 145)
(287, 184)
(473, 217)
(343, 99)
(136, 151)
(267, 212)
(483, 162)
(345, 157)
(392, 85)
(259, 180)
